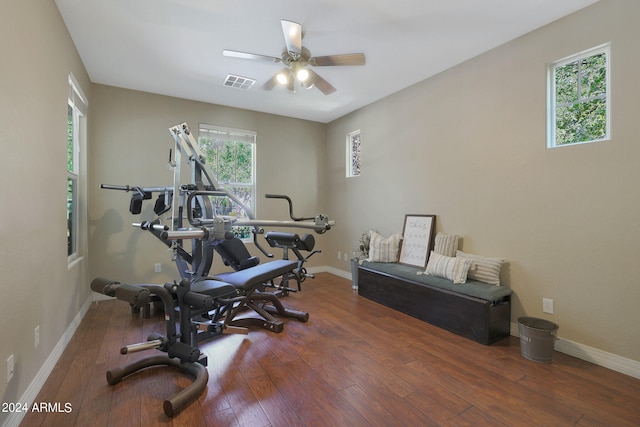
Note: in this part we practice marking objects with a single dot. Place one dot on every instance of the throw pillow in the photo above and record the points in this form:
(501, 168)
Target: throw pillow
(483, 269)
(454, 269)
(446, 244)
(383, 249)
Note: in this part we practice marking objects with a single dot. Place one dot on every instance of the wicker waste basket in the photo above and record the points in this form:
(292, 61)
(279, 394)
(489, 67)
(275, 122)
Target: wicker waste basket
(537, 337)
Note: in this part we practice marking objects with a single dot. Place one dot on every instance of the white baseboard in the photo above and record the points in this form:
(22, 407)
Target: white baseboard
(332, 270)
(590, 354)
(32, 391)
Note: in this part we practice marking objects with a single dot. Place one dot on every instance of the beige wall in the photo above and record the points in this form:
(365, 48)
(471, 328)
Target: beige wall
(130, 143)
(469, 146)
(37, 286)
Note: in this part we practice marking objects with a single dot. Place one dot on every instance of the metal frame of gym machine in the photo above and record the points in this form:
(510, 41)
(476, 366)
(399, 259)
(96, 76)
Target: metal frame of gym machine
(205, 227)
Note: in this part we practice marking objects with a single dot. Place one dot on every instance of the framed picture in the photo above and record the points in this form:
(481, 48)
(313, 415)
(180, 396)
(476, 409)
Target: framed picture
(417, 240)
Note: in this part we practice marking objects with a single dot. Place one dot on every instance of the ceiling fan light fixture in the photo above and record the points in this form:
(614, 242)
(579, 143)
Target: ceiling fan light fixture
(302, 74)
(296, 58)
(282, 78)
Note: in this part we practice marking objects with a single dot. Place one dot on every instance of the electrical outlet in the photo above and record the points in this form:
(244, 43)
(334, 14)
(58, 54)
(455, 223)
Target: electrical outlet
(339, 255)
(547, 305)
(10, 368)
(346, 257)
(158, 267)
(36, 337)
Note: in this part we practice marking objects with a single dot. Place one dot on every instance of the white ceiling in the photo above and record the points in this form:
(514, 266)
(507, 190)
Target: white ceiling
(174, 47)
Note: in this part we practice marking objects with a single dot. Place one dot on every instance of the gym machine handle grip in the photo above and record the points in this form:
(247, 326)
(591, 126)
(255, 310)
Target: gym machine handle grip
(277, 196)
(288, 199)
(147, 225)
(132, 348)
(185, 234)
(137, 189)
(116, 187)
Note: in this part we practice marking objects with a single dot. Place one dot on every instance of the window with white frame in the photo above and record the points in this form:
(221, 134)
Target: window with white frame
(76, 134)
(230, 155)
(354, 150)
(579, 92)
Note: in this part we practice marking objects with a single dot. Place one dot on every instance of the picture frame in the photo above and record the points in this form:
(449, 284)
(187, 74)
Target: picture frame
(417, 240)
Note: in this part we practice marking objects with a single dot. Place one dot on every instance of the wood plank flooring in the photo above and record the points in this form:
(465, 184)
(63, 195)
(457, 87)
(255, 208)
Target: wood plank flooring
(355, 363)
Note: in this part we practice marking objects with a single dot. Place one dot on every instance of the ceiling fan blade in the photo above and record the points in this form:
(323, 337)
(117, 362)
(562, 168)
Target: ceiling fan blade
(253, 56)
(292, 37)
(271, 83)
(345, 59)
(291, 85)
(324, 86)
(274, 81)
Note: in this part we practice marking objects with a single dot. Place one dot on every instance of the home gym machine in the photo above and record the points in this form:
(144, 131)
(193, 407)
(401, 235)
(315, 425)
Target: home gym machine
(200, 306)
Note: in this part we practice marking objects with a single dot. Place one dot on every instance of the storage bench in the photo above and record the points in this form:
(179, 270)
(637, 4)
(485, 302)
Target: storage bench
(474, 310)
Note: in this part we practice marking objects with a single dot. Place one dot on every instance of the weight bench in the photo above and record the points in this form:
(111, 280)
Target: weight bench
(188, 304)
(249, 284)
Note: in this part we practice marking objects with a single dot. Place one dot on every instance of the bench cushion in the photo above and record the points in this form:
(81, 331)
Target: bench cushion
(261, 273)
(471, 287)
(214, 288)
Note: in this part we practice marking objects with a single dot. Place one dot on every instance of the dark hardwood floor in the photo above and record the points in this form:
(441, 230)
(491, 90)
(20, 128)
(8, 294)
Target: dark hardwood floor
(355, 363)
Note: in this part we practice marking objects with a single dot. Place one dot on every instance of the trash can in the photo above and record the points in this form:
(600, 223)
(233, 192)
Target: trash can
(537, 337)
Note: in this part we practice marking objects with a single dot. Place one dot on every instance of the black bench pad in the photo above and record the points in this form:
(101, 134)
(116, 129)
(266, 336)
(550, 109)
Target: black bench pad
(261, 273)
(214, 288)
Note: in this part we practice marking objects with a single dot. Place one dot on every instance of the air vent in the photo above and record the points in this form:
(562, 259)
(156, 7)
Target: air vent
(239, 82)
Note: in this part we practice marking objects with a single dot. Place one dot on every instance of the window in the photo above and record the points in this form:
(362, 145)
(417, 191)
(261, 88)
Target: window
(76, 110)
(579, 98)
(230, 155)
(353, 154)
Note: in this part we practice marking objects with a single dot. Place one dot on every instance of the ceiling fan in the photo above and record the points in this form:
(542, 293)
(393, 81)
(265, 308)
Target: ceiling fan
(297, 60)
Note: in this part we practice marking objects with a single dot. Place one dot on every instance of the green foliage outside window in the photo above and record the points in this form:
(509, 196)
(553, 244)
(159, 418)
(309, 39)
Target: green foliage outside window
(71, 185)
(231, 162)
(355, 149)
(581, 100)
(76, 138)
(70, 152)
